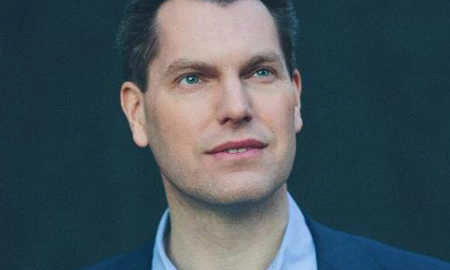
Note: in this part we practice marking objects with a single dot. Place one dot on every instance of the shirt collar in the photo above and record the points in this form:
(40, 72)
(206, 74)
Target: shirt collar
(296, 251)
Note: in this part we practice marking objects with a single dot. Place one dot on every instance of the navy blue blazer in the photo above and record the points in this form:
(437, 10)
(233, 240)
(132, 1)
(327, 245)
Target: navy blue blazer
(335, 250)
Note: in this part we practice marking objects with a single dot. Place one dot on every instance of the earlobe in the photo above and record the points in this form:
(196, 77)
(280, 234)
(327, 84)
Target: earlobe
(297, 83)
(298, 122)
(132, 103)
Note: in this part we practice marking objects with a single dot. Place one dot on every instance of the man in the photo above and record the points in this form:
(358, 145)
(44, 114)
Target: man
(211, 87)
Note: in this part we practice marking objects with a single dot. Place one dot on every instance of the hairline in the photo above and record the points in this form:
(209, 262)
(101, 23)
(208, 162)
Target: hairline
(154, 49)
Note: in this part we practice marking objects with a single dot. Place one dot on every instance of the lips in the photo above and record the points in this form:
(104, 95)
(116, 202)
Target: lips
(249, 144)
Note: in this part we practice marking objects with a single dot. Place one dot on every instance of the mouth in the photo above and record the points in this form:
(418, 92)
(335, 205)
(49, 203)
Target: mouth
(238, 149)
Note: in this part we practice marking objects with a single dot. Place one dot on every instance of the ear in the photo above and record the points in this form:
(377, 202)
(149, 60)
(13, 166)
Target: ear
(297, 83)
(132, 102)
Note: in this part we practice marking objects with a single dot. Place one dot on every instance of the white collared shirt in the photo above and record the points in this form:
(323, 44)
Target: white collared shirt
(296, 251)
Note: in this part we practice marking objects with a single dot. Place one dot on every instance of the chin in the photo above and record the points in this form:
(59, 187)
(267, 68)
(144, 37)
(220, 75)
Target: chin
(226, 190)
(239, 189)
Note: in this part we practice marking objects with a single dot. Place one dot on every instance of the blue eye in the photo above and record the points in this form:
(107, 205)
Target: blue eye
(263, 72)
(190, 79)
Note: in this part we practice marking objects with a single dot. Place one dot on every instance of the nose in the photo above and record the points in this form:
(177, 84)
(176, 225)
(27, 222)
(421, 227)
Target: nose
(234, 104)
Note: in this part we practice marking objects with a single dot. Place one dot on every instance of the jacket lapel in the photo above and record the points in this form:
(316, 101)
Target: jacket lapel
(339, 251)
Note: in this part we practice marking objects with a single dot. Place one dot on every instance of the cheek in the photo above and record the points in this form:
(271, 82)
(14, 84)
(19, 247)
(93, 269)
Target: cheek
(175, 124)
(278, 112)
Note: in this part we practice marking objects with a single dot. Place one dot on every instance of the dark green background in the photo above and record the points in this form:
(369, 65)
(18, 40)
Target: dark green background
(373, 157)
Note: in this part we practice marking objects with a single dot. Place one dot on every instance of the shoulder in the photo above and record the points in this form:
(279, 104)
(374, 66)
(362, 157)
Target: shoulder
(136, 260)
(342, 249)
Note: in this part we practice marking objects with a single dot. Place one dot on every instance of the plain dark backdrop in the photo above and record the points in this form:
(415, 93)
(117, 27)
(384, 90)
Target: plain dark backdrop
(373, 157)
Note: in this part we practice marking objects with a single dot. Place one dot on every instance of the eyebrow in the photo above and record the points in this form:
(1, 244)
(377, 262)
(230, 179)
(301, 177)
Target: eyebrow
(186, 64)
(259, 59)
(264, 57)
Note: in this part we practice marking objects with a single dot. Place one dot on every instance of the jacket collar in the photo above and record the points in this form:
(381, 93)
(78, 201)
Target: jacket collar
(337, 250)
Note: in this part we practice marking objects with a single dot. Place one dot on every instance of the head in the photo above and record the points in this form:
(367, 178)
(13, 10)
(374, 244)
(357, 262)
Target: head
(219, 105)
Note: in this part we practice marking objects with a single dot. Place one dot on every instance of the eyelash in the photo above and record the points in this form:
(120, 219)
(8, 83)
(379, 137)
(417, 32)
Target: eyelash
(180, 79)
(270, 70)
(272, 74)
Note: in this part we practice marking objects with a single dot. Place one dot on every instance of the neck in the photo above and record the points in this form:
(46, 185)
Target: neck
(244, 237)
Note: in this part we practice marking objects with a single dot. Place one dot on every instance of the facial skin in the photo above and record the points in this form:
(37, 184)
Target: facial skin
(219, 76)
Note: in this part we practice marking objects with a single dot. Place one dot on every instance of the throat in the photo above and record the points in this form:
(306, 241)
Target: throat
(229, 240)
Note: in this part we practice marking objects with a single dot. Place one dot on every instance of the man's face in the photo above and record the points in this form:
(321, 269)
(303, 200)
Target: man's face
(220, 77)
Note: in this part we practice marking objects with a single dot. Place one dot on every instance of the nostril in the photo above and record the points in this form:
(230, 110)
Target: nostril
(236, 121)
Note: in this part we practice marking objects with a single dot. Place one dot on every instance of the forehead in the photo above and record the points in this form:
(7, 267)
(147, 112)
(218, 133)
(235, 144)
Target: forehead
(205, 30)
